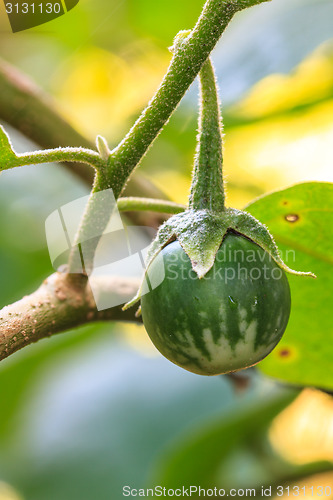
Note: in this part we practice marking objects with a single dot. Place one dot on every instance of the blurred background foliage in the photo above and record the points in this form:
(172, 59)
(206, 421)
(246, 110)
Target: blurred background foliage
(85, 413)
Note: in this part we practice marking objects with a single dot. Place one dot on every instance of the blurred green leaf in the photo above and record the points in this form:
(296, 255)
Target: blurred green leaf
(8, 493)
(209, 455)
(301, 220)
(163, 19)
(94, 414)
(18, 372)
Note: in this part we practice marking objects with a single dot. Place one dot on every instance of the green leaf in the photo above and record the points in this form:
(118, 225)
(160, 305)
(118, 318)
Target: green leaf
(203, 456)
(162, 20)
(250, 227)
(200, 233)
(7, 155)
(301, 220)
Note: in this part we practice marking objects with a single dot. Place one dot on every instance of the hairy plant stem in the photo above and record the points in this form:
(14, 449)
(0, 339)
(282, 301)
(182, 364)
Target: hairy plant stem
(185, 65)
(101, 204)
(207, 190)
(79, 155)
(26, 107)
(149, 204)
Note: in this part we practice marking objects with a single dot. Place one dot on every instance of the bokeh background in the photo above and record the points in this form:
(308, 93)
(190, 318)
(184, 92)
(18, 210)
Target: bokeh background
(85, 413)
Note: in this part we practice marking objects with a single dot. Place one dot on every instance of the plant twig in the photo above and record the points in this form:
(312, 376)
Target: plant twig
(58, 306)
(78, 155)
(95, 218)
(207, 190)
(149, 204)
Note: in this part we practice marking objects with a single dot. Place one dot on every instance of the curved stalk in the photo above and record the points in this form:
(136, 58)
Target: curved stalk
(133, 203)
(94, 221)
(79, 155)
(207, 190)
(63, 304)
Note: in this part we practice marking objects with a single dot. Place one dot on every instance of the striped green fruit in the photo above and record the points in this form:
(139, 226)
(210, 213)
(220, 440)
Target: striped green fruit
(226, 321)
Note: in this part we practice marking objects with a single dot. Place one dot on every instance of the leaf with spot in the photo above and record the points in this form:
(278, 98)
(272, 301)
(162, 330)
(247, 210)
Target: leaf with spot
(301, 221)
(250, 227)
(200, 233)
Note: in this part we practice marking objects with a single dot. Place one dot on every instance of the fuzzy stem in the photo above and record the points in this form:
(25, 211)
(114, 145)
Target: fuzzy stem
(149, 204)
(207, 191)
(103, 206)
(184, 67)
(94, 221)
(79, 155)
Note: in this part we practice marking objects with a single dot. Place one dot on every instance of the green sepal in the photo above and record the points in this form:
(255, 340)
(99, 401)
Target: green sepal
(247, 225)
(8, 157)
(201, 233)
(164, 236)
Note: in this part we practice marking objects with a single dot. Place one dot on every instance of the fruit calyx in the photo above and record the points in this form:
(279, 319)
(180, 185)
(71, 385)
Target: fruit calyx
(201, 233)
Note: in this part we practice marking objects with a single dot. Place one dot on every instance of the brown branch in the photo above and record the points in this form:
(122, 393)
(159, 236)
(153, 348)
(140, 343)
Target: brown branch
(58, 306)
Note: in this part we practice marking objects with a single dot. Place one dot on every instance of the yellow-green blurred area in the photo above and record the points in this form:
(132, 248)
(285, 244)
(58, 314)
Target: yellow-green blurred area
(103, 61)
(85, 413)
